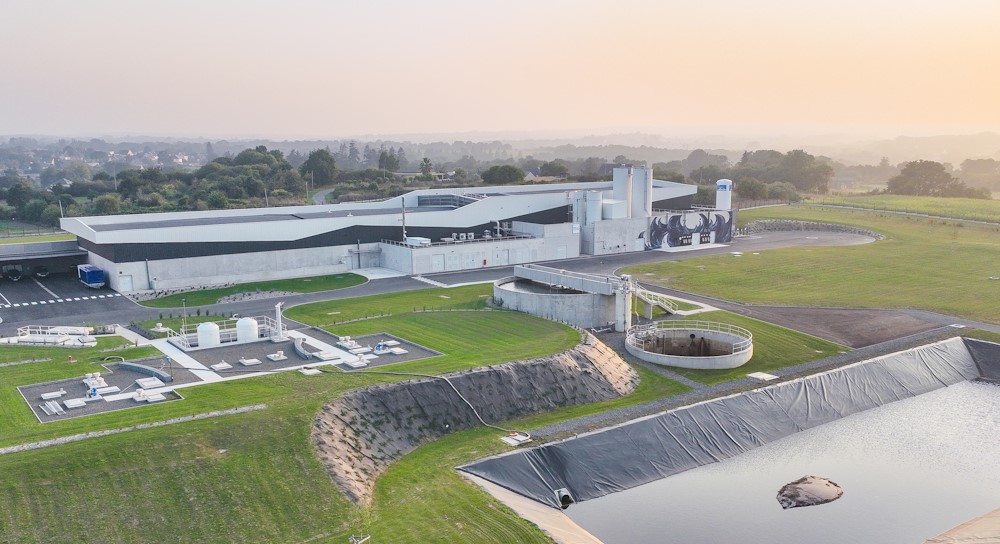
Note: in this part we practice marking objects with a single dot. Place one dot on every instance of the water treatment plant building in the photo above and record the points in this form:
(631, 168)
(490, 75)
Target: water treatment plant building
(423, 231)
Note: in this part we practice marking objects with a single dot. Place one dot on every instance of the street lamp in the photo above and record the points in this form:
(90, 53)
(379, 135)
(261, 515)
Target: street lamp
(184, 317)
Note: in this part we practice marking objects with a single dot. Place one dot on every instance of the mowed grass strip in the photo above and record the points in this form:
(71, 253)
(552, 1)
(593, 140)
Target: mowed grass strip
(469, 297)
(295, 285)
(774, 347)
(37, 238)
(932, 264)
(958, 208)
(255, 478)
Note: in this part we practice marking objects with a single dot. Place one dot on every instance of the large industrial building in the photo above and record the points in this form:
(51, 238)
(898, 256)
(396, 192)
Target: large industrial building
(423, 231)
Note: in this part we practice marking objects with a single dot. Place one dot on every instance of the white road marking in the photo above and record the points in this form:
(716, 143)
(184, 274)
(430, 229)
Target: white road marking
(47, 290)
(4, 298)
(40, 302)
(34, 304)
(77, 298)
(16, 305)
(52, 302)
(60, 300)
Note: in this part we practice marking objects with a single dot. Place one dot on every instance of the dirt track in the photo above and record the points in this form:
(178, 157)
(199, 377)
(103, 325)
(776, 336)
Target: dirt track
(851, 327)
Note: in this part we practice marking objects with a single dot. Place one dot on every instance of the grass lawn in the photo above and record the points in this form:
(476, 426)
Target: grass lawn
(933, 264)
(295, 285)
(38, 238)
(774, 347)
(254, 477)
(958, 208)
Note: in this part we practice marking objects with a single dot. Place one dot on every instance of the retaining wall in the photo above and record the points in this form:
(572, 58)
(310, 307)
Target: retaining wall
(765, 225)
(360, 434)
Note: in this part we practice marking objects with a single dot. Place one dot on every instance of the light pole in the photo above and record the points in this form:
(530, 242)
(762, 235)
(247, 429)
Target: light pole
(184, 317)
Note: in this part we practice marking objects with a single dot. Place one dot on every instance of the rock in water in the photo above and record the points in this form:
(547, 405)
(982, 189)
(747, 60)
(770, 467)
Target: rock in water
(809, 491)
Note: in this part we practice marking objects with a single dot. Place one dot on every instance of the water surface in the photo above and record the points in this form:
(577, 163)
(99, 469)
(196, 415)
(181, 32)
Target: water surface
(910, 470)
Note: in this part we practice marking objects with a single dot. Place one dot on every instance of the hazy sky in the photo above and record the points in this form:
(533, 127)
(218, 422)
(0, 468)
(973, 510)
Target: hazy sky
(228, 68)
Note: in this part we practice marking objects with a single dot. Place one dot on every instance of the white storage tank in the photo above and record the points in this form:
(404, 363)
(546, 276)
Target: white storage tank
(247, 330)
(208, 335)
(724, 194)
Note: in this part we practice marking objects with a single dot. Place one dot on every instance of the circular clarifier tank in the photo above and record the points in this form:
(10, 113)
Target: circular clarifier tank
(691, 344)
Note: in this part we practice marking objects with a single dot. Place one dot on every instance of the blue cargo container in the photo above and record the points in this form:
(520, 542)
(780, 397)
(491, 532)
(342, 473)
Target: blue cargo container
(91, 276)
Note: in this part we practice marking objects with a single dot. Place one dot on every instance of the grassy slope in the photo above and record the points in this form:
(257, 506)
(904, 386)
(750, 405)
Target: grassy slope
(774, 347)
(959, 208)
(295, 285)
(174, 484)
(931, 264)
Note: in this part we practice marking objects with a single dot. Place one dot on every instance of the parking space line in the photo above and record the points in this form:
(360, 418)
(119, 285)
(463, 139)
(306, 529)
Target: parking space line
(47, 290)
(52, 302)
(4, 298)
(77, 298)
(59, 300)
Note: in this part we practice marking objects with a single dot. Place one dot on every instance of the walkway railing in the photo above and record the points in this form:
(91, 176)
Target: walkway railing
(637, 334)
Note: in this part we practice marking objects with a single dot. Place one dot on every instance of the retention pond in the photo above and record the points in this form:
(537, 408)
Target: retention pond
(910, 470)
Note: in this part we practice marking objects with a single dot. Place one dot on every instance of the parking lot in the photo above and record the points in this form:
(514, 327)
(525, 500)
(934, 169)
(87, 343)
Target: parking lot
(61, 292)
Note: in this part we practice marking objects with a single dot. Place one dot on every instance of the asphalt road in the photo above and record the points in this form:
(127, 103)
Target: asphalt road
(91, 308)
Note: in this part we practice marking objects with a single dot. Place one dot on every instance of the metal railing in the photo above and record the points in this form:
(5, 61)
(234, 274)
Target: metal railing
(460, 242)
(637, 334)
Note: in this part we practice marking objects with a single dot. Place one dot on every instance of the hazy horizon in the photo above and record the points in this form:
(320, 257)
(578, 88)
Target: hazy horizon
(310, 69)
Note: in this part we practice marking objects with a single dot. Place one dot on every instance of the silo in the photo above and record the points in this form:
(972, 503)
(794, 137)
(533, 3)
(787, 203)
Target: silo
(724, 194)
(247, 330)
(208, 335)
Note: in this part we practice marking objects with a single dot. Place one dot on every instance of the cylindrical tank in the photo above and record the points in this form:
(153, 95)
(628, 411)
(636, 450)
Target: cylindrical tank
(246, 330)
(208, 335)
(724, 194)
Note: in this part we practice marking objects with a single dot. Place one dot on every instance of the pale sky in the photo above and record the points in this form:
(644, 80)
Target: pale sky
(333, 68)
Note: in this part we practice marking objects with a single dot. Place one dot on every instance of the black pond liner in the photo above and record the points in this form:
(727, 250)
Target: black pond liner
(648, 449)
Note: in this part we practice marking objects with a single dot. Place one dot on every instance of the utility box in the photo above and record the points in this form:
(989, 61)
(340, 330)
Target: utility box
(91, 276)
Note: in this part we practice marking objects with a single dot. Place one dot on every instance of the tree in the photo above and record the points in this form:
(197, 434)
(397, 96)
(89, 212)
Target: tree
(353, 156)
(107, 204)
(387, 160)
(217, 200)
(556, 168)
(426, 167)
(19, 195)
(505, 174)
(930, 178)
(922, 178)
(10, 178)
(320, 166)
(752, 189)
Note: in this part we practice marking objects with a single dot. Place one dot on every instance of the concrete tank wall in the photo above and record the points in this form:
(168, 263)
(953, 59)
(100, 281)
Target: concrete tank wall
(711, 362)
(580, 309)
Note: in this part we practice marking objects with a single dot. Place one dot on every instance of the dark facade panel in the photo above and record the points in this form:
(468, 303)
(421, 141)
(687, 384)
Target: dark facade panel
(124, 253)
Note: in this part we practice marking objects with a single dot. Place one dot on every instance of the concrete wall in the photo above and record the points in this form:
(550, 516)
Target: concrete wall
(580, 309)
(616, 236)
(554, 242)
(221, 269)
(702, 363)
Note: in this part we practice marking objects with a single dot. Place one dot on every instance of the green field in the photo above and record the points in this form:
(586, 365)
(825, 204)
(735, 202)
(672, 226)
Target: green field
(933, 264)
(254, 477)
(295, 285)
(957, 208)
(774, 347)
